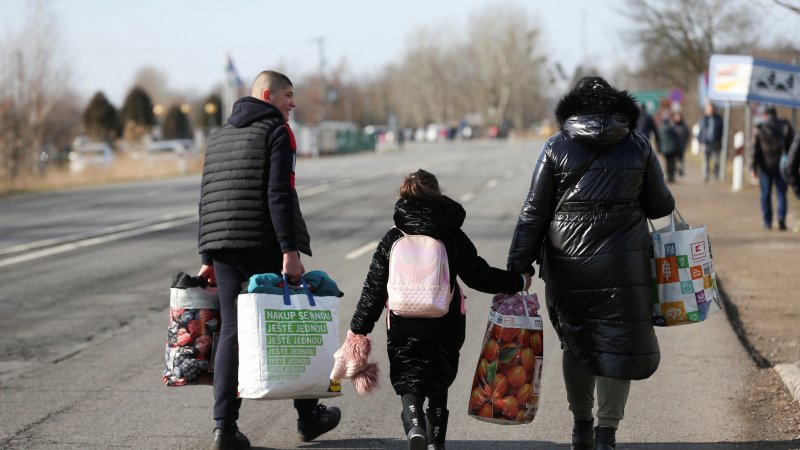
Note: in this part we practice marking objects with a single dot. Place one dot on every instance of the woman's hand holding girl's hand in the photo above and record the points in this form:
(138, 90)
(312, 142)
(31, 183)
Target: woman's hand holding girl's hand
(527, 278)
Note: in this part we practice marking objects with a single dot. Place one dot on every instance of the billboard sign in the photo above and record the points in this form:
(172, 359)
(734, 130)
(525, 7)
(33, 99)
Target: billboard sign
(729, 77)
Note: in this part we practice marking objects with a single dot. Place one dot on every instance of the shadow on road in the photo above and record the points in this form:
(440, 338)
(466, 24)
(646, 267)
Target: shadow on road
(359, 444)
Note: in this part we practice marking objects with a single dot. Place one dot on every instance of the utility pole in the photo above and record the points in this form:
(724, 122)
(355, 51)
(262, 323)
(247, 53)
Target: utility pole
(323, 107)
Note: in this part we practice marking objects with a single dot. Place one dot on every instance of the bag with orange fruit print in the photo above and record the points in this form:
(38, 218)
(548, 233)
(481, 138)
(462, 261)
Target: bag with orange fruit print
(505, 388)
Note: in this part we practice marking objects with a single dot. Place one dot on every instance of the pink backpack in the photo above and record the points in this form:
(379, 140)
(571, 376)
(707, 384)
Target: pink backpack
(419, 277)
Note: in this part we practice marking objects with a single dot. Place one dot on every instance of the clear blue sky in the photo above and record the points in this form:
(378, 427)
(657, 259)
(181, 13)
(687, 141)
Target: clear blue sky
(106, 42)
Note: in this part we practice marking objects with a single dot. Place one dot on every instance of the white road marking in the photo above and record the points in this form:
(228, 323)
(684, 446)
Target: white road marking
(58, 245)
(491, 184)
(101, 232)
(94, 241)
(366, 248)
(466, 197)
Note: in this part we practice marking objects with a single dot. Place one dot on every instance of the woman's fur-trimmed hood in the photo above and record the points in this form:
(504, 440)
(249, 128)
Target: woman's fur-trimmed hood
(594, 95)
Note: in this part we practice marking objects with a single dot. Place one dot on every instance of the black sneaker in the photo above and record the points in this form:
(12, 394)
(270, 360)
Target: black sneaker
(328, 419)
(229, 440)
(782, 225)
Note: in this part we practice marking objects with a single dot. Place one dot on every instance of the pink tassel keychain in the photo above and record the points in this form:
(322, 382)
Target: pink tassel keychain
(352, 361)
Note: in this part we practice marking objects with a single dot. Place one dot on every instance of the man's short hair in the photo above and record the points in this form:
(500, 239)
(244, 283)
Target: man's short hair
(269, 79)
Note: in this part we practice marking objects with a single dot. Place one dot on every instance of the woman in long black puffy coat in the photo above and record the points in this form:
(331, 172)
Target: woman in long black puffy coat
(594, 251)
(423, 353)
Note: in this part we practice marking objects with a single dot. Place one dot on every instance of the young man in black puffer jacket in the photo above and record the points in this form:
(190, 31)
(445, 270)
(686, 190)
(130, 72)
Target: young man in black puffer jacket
(250, 223)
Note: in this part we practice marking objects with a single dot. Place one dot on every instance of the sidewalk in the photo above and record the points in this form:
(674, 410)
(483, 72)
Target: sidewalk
(759, 277)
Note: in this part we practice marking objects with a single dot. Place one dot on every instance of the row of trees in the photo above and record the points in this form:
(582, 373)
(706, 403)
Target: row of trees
(102, 121)
(494, 74)
(497, 71)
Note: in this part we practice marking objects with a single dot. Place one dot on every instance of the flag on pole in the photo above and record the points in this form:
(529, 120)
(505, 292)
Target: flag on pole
(234, 80)
(232, 87)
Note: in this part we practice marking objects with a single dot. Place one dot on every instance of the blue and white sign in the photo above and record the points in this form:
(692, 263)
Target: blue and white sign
(743, 78)
(775, 83)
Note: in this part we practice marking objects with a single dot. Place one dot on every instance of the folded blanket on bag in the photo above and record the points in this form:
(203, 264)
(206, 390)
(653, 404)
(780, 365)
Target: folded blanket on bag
(319, 284)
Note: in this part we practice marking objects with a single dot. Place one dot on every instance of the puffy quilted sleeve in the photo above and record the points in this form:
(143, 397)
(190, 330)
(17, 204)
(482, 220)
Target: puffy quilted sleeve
(373, 294)
(536, 214)
(479, 275)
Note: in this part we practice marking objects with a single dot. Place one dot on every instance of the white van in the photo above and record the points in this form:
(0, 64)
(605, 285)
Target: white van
(90, 155)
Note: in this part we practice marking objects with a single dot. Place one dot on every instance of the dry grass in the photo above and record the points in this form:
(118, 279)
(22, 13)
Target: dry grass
(124, 169)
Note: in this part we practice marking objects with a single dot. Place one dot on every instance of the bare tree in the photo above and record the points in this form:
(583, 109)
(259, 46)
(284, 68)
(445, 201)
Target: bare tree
(421, 92)
(154, 83)
(791, 5)
(505, 71)
(33, 81)
(677, 37)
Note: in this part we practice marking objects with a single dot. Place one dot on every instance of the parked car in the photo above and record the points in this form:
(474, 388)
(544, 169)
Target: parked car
(166, 150)
(178, 150)
(90, 155)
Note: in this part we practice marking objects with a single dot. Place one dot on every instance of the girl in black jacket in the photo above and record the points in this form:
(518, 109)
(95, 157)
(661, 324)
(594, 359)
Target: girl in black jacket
(423, 353)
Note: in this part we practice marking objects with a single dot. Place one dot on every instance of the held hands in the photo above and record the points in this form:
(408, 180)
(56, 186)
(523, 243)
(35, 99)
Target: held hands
(527, 278)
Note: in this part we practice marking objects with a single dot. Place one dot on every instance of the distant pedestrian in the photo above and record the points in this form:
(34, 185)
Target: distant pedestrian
(670, 146)
(594, 252)
(684, 135)
(424, 352)
(771, 142)
(793, 165)
(710, 138)
(250, 223)
(647, 126)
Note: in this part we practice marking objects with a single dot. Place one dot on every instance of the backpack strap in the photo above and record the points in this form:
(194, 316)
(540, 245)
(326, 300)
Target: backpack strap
(386, 305)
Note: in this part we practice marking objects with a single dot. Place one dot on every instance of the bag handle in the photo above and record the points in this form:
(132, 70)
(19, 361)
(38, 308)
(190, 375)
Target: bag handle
(287, 299)
(682, 225)
(524, 299)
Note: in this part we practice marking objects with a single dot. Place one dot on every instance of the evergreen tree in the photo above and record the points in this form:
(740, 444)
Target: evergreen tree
(138, 108)
(101, 120)
(176, 124)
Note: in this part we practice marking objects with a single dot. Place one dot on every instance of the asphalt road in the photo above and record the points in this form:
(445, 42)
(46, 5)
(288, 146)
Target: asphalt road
(84, 279)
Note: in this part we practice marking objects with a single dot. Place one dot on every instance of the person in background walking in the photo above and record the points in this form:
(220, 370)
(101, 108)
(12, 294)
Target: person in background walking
(647, 126)
(683, 135)
(250, 223)
(669, 146)
(771, 141)
(710, 138)
(793, 165)
(594, 252)
(424, 352)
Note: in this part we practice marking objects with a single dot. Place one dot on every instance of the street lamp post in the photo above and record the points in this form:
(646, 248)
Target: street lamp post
(210, 109)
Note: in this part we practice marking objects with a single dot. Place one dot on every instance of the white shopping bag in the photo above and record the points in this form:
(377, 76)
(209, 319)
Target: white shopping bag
(683, 274)
(286, 345)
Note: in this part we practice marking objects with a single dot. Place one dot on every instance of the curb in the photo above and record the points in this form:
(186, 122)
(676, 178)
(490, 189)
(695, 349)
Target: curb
(790, 374)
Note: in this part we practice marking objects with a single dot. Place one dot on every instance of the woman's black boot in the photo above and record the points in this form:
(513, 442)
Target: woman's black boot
(604, 438)
(436, 419)
(583, 434)
(414, 426)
